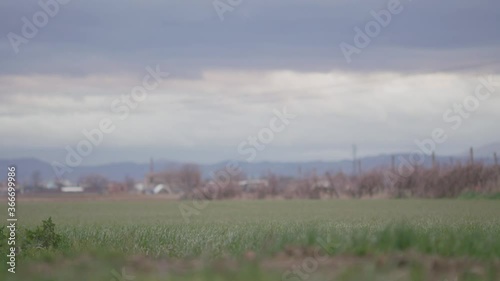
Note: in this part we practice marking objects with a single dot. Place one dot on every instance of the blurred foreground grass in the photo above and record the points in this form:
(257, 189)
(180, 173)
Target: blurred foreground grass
(261, 240)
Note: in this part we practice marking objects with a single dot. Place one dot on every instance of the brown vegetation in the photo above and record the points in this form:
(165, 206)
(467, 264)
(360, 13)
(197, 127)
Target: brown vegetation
(421, 182)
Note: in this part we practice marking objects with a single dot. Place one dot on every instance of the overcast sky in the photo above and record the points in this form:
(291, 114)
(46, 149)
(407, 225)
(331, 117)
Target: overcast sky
(228, 76)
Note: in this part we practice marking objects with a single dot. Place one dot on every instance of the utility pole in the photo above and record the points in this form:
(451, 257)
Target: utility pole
(495, 157)
(471, 153)
(393, 162)
(151, 165)
(150, 176)
(433, 159)
(354, 151)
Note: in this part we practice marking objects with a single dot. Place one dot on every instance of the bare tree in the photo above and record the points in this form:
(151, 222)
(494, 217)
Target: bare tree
(333, 188)
(273, 183)
(94, 182)
(129, 183)
(189, 177)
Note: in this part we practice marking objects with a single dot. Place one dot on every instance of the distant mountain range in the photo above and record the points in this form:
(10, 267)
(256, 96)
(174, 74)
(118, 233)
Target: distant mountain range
(118, 171)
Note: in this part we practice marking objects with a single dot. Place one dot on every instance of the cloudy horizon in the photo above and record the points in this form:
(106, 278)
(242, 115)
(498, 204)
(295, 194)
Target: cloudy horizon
(227, 78)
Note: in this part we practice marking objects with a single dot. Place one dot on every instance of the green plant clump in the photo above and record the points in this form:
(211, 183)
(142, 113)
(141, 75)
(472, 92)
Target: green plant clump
(43, 236)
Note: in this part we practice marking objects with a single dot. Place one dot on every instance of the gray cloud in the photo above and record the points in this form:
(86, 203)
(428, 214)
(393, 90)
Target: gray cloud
(100, 37)
(228, 76)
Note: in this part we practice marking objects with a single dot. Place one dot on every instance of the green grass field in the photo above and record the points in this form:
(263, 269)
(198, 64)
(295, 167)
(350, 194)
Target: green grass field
(264, 240)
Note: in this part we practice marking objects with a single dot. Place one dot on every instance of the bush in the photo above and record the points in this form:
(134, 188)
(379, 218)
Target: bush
(3, 238)
(43, 236)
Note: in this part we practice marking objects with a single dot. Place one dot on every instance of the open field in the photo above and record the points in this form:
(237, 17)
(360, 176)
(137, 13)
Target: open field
(264, 240)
